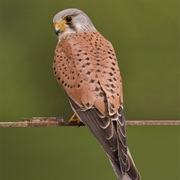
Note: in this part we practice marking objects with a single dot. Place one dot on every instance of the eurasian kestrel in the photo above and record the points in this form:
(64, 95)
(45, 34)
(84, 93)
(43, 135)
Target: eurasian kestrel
(85, 65)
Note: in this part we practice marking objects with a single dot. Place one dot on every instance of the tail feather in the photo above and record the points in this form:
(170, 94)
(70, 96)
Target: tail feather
(112, 136)
(131, 170)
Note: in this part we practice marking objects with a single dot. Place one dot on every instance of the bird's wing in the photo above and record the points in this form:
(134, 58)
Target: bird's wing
(105, 131)
(85, 65)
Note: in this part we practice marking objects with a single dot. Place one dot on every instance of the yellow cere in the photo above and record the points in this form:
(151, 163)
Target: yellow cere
(59, 26)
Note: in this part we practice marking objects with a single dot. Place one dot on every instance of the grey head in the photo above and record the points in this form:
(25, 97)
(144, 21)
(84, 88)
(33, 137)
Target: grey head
(71, 21)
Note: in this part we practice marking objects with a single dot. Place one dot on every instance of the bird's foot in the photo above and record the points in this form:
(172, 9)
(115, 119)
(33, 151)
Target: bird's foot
(74, 118)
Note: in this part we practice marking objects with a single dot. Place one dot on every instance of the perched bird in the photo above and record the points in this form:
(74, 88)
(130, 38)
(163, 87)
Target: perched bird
(85, 65)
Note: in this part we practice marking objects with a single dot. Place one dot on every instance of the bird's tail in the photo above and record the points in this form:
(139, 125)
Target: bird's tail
(131, 170)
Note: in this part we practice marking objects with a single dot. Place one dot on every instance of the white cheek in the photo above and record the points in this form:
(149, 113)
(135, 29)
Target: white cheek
(79, 27)
(69, 31)
(66, 33)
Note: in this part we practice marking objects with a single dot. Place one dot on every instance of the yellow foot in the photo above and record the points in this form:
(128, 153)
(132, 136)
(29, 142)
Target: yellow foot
(74, 118)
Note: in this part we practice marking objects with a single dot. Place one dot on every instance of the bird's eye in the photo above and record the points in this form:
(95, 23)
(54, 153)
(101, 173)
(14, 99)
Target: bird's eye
(68, 19)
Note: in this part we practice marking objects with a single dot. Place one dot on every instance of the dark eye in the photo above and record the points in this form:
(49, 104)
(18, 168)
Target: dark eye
(68, 19)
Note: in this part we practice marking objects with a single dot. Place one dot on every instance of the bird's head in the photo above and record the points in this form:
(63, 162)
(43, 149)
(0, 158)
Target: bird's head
(71, 21)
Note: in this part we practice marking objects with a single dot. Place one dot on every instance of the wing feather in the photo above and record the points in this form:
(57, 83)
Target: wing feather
(101, 128)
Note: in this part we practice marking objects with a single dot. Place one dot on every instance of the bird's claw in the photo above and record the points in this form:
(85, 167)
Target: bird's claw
(74, 118)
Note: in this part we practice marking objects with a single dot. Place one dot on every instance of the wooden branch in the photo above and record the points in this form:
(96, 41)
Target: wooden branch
(58, 121)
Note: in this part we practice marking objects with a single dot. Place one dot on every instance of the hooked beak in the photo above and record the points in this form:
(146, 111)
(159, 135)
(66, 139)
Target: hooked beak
(59, 28)
(57, 31)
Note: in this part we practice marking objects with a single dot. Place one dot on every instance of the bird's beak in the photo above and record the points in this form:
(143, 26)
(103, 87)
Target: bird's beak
(59, 27)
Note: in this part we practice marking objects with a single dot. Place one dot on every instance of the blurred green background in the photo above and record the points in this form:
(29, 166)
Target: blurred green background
(145, 35)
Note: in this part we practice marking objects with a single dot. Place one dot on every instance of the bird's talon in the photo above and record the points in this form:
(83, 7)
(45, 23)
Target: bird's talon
(80, 124)
(74, 118)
